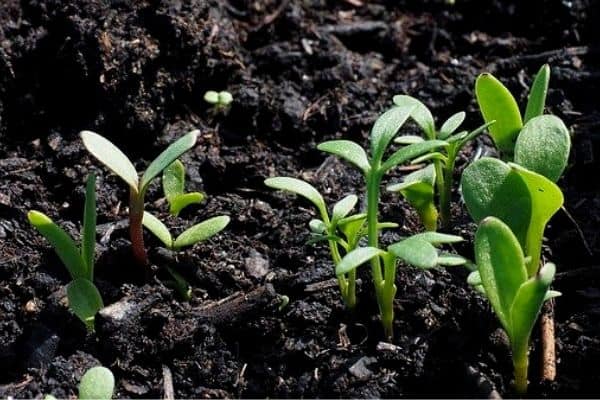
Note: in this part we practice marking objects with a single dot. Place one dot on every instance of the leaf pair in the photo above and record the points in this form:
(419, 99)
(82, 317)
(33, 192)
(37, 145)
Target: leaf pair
(84, 298)
(173, 180)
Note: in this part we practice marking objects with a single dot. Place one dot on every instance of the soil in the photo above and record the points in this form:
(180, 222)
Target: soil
(300, 71)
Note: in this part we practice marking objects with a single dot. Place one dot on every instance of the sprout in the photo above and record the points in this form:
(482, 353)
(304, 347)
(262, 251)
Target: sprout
(173, 181)
(84, 298)
(113, 158)
(219, 99)
(98, 383)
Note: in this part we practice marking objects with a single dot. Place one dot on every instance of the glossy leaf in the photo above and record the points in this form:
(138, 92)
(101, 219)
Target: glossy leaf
(159, 229)
(356, 258)
(452, 124)
(84, 300)
(386, 127)
(302, 188)
(65, 247)
(496, 103)
(98, 383)
(110, 155)
(537, 94)
(168, 156)
(543, 146)
(420, 114)
(349, 151)
(416, 252)
(88, 238)
(343, 207)
(412, 151)
(201, 231)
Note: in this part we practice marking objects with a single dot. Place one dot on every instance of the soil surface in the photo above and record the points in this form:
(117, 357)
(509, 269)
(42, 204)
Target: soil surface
(300, 71)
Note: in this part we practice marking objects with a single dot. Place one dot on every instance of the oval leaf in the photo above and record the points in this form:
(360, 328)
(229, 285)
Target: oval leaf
(201, 231)
(98, 383)
(84, 300)
(420, 114)
(159, 229)
(537, 95)
(416, 252)
(173, 180)
(302, 188)
(386, 127)
(343, 207)
(349, 151)
(452, 124)
(356, 258)
(110, 155)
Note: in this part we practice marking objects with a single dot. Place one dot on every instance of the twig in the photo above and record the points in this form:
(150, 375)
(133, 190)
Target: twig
(548, 342)
(169, 391)
(579, 230)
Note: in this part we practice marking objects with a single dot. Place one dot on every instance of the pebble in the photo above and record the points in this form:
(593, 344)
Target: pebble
(256, 265)
(360, 370)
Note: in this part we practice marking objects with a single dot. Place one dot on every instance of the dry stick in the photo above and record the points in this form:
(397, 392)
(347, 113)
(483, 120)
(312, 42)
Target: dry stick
(548, 342)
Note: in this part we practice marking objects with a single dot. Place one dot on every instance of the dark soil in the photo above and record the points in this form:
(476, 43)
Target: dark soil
(301, 71)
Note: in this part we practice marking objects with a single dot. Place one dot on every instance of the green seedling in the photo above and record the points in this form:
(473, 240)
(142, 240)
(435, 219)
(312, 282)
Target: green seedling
(84, 298)
(98, 383)
(419, 251)
(113, 158)
(515, 295)
(420, 188)
(218, 99)
(173, 180)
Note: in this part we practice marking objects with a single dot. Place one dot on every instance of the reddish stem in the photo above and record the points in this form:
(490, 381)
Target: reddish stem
(136, 232)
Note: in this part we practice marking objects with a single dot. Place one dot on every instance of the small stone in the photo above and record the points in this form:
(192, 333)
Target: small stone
(120, 312)
(360, 370)
(256, 265)
(31, 307)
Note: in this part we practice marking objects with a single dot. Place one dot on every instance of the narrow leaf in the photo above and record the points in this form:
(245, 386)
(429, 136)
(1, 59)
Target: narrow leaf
(412, 151)
(201, 231)
(436, 238)
(451, 260)
(430, 157)
(356, 258)
(426, 175)
(170, 154)
(452, 124)
(110, 155)
(98, 383)
(65, 247)
(420, 113)
(173, 180)
(537, 94)
(550, 294)
(408, 139)
(181, 285)
(416, 252)
(471, 135)
(159, 229)
(88, 240)
(302, 188)
(349, 151)
(84, 300)
(343, 207)
(180, 202)
(386, 127)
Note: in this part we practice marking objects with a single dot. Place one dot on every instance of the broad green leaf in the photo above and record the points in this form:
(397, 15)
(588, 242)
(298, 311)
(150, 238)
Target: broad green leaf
(317, 226)
(84, 300)
(349, 151)
(356, 258)
(420, 114)
(409, 139)
(385, 128)
(526, 306)
(110, 155)
(412, 151)
(302, 188)
(159, 229)
(501, 265)
(180, 202)
(173, 180)
(88, 239)
(496, 103)
(452, 124)
(166, 158)
(201, 231)
(491, 187)
(98, 383)
(543, 146)
(450, 260)
(343, 207)
(416, 252)
(537, 94)
(65, 247)
(436, 238)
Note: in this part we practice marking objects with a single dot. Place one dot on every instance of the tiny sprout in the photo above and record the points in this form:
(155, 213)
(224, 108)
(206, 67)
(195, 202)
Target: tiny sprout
(98, 383)
(173, 181)
(113, 158)
(219, 99)
(84, 298)
(285, 300)
(515, 295)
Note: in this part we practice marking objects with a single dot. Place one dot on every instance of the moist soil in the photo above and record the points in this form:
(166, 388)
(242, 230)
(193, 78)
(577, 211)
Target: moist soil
(300, 71)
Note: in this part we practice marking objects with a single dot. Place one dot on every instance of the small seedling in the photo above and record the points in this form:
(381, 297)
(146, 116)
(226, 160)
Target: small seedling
(173, 180)
(220, 99)
(98, 383)
(113, 158)
(420, 188)
(516, 296)
(84, 298)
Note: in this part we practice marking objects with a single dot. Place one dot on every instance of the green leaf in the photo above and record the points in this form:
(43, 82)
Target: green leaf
(412, 151)
(501, 265)
(471, 135)
(159, 229)
(425, 175)
(527, 305)
(474, 278)
(450, 260)
(211, 97)
(550, 294)
(166, 158)
(418, 190)
(317, 226)
(352, 227)
(416, 252)
(543, 146)
(496, 103)
(84, 300)
(537, 94)
(349, 151)
(408, 139)
(356, 258)
(452, 124)
(173, 180)
(180, 284)
(420, 114)
(98, 383)
(201, 231)
(110, 155)
(225, 98)
(430, 157)
(302, 188)
(491, 187)
(316, 237)
(65, 247)
(88, 240)
(436, 238)
(385, 128)
(180, 202)
(343, 207)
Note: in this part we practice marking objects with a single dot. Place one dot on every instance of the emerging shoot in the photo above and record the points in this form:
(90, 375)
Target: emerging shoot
(220, 99)
(173, 180)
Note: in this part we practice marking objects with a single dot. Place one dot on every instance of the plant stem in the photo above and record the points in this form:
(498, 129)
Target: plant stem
(373, 182)
(521, 363)
(446, 189)
(136, 232)
(347, 287)
(389, 293)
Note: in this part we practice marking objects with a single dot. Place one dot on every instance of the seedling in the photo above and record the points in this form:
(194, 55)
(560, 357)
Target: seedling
(515, 295)
(218, 99)
(173, 180)
(113, 158)
(420, 187)
(98, 383)
(84, 298)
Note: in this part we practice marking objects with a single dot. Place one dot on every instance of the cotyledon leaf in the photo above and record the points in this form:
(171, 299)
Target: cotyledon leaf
(302, 188)
(201, 231)
(349, 151)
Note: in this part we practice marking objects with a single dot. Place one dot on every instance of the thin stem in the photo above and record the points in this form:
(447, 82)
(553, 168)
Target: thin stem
(136, 232)
(389, 293)
(446, 189)
(373, 182)
(521, 364)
